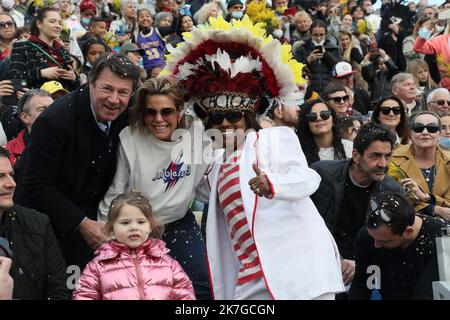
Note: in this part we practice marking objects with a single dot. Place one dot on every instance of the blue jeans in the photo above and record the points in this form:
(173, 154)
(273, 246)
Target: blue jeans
(187, 246)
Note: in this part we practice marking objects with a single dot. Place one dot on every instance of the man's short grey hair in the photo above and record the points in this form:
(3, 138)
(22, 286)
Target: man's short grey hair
(24, 102)
(123, 3)
(431, 95)
(399, 78)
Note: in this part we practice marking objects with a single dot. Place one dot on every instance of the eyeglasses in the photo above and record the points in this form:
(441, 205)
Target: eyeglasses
(431, 127)
(324, 115)
(216, 118)
(387, 110)
(441, 102)
(165, 112)
(339, 99)
(6, 24)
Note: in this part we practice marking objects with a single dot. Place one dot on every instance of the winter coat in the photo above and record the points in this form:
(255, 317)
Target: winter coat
(145, 273)
(379, 82)
(27, 61)
(404, 158)
(38, 267)
(440, 47)
(320, 69)
(16, 147)
(328, 198)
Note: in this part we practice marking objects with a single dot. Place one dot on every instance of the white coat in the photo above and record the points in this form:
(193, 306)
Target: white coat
(298, 255)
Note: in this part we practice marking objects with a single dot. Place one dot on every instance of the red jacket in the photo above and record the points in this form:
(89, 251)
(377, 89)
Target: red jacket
(16, 147)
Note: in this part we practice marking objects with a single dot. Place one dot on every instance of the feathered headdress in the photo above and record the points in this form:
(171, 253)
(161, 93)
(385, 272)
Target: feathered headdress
(233, 66)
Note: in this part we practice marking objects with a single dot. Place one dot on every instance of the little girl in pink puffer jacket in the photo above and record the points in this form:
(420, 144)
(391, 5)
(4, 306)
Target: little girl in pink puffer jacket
(134, 266)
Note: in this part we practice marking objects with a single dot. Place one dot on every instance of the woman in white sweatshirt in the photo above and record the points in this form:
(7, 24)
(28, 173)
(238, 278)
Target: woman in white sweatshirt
(155, 161)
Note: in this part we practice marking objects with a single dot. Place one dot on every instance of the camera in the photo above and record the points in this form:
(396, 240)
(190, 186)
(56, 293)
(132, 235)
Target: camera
(5, 249)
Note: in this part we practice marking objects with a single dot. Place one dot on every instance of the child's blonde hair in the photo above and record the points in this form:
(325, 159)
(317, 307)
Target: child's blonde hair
(413, 68)
(138, 200)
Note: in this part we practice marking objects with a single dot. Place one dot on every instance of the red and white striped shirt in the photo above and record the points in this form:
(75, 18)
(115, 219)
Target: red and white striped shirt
(230, 200)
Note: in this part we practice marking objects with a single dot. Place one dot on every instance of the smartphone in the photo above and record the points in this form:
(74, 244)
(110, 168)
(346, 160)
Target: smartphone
(18, 84)
(319, 48)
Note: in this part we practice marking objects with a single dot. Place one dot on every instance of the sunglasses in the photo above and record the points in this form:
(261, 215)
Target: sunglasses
(442, 102)
(7, 24)
(377, 213)
(324, 115)
(165, 112)
(344, 99)
(431, 127)
(387, 110)
(216, 118)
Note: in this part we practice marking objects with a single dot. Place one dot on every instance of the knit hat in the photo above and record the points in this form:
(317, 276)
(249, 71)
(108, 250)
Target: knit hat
(86, 5)
(233, 66)
(231, 3)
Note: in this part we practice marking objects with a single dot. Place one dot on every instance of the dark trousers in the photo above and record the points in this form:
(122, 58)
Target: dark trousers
(187, 246)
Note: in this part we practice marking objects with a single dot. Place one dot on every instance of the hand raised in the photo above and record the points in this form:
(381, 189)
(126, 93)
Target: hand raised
(259, 184)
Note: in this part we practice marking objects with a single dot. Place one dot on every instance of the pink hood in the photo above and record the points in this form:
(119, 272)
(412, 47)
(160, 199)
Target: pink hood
(145, 273)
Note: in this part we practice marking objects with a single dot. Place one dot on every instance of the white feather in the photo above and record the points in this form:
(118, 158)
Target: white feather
(185, 70)
(245, 65)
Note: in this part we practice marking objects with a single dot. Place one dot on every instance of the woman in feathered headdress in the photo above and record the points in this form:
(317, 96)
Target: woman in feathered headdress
(265, 238)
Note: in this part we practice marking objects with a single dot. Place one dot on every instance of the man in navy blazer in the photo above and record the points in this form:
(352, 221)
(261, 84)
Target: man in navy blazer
(71, 159)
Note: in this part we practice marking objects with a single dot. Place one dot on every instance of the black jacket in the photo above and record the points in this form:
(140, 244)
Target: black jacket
(27, 62)
(328, 198)
(38, 268)
(379, 82)
(320, 69)
(57, 162)
(362, 100)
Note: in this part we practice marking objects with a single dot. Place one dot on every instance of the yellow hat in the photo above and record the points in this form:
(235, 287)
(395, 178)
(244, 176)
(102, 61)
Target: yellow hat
(53, 87)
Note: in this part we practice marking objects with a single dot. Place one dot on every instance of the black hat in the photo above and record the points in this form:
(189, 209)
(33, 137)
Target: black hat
(231, 3)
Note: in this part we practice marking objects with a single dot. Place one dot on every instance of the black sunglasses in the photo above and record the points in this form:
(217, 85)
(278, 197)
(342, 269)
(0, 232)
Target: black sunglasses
(442, 102)
(387, 110)
(165, 112)
(376, 213)
(324, 115)
(8, 24)
(431, 127)
(216, 118)
(345, 99)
